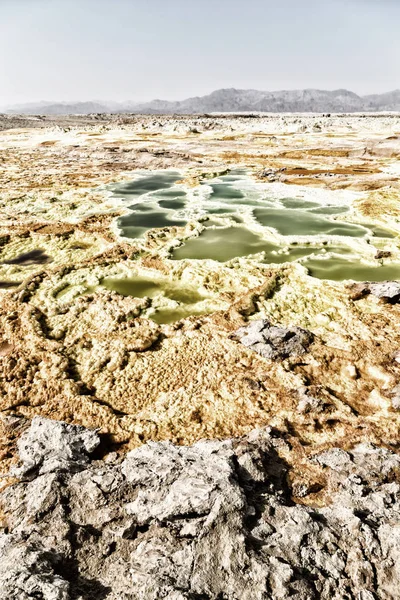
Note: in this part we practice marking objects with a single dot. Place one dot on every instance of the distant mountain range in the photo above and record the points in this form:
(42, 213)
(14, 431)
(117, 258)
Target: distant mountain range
(230, 100)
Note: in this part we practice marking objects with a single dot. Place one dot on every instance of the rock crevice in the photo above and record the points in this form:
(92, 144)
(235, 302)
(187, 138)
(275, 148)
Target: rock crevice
(213, 520)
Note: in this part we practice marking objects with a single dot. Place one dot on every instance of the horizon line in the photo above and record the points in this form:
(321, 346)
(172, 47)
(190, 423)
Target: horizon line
(104, 100)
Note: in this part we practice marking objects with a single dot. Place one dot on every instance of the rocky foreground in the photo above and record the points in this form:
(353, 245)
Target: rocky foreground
(210, 521)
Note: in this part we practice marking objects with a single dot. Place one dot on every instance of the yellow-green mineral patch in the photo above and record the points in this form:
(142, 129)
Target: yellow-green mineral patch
(131, 251)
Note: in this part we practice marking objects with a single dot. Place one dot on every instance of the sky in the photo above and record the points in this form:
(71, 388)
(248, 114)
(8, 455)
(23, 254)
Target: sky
(69, 50)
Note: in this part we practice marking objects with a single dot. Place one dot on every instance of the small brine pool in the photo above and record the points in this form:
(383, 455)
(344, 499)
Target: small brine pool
(243, 217)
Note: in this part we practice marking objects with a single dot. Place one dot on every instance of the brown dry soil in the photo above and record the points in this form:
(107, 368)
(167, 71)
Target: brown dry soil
(94, 358)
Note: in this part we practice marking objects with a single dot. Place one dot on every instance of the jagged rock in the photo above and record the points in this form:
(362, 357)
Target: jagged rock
(308, 403)
(214, 520)
(270, 174)
(274, 342)
(27, 573)
(388, 291)
(59, 447)
(382, 254)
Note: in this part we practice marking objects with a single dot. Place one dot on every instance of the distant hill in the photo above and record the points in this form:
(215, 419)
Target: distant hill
(231, 100)
(388, 101)
(60, 108)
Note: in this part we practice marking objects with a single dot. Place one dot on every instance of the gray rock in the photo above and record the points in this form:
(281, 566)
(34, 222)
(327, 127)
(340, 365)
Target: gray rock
(308, 403)
(27, 573)
(388, 291)
(212, 521)
(275, 343)
(44, 448)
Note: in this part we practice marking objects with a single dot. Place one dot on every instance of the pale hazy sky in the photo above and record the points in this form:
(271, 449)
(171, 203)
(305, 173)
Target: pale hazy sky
(172, 49)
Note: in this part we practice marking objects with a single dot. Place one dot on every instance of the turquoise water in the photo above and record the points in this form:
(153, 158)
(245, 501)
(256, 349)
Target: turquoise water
(298, 222)
(254, 222)
(340, 269)
(186, 298)
(152, 182)
(223, 244)
(141, 287)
